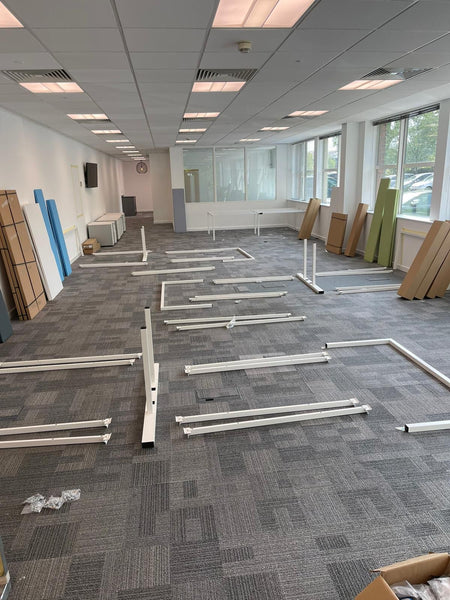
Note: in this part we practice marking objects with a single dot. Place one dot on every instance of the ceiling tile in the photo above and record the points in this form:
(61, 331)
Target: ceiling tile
(306, 41)
(402, 41)
(160, 13)
(233, 60)
(423, 16)
(87, 40)
(165, 40)
(19, 40)
(94, 60)
(29, 60)
(63, 13)
(263, 40)
(102, 75)
(165, 75)
(165, 60)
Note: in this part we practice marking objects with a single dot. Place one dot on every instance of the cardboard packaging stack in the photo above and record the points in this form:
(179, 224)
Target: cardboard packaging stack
(19, 259)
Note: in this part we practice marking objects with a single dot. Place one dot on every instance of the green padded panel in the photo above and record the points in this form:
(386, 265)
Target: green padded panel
(377, 219)
(387, 237)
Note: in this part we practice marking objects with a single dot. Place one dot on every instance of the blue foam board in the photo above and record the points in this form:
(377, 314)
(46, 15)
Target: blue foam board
(5, 323)
(59, 236)
(39, 198)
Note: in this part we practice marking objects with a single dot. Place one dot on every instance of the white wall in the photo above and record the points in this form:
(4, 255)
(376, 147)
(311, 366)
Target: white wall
(139, 185)
(33, 156)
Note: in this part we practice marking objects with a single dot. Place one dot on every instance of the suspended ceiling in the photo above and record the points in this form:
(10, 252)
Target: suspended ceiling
(137, 60)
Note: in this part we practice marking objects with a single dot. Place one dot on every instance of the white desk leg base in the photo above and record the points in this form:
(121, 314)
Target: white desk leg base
(315, 288)
(151, 405)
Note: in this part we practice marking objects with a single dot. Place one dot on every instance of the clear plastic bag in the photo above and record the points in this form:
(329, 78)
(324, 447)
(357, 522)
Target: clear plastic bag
(425, 592)
(405, 591)
(70, 495)
(54, 502)
(34, 504)
(440, 587)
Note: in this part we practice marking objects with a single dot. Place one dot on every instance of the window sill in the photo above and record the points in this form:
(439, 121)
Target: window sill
(409, 217)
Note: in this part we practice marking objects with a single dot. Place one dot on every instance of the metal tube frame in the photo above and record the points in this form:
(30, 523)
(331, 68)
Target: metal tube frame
(324, 414)
(257, 363)
(71, 360)
(69, 366)
(238, 296)
(54, 427)
(426, 426)
(201, 259)
(255, 412)
(253, 279)
(111, 264)
(227, 319)
(366, 289)
(168, 271)
(163, 305)
(151, 383)
(226, 324)
(401, 349)
(303, 277)
(30, 443)
(368, 271)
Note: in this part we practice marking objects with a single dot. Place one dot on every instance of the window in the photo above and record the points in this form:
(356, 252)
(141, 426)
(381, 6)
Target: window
(261, 173)
(406, 154)
(198, 175)
(330, 147)
(229, 174)
(303, 157)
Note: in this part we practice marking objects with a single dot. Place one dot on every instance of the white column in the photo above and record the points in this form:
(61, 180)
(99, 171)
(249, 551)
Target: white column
(440, 198)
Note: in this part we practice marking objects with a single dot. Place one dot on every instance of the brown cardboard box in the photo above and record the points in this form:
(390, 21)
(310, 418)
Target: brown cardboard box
(415, 570)
(90, 246)
(336, 233)
(355, 233)
(309, 218)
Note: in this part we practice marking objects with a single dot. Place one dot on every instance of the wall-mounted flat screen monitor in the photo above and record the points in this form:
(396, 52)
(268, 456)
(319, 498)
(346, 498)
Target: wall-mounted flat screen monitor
(90, 175)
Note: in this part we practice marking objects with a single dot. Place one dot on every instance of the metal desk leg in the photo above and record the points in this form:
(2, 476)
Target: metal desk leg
(214, 226)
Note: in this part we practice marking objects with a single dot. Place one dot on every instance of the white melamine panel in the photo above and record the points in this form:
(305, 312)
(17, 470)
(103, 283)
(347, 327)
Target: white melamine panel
(46, 259)
(64, 13)
(164, 40)
(160, 13)
(96, 60)
(164, 60)
(74, 40)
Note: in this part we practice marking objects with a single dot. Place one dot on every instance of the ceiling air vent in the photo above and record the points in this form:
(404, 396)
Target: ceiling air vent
(399, 73)
(38, 75)
(225, 74)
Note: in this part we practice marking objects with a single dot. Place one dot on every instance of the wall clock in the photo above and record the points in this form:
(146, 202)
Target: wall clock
(141, 168)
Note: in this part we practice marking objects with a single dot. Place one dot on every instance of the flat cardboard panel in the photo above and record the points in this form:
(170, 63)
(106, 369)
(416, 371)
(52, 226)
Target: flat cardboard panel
(47, 263)
(309, 218)
(39, 198)
(336, 233)
(423, 260)
(18, 302)
(442, 280)
(355, 233)
(377, 219)
(387, 235)
(435, 266)
(59, 236)
(377, 590)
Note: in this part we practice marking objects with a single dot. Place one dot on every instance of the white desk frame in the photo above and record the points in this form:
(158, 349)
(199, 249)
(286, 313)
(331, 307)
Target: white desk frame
(257, 213)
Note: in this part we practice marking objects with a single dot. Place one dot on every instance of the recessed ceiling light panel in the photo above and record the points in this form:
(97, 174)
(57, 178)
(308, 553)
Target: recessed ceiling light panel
(127, 147)
(64, 87)
(199, 130)
(217, 86)
(201, 115)
(260, 13)
(185, 141)
(7, 19)
(117, 141)
(89, 117)
(370, 84)
(273, 128)
(307, 113)
(250, 140)
(102, 131)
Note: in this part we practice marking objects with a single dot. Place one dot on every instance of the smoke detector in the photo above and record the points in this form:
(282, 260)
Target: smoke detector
(244, 47)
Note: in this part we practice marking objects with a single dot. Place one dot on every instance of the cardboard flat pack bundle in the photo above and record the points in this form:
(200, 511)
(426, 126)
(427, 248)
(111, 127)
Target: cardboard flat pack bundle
(309, 219)
(336, 233)
(20, 260)
(355, 233)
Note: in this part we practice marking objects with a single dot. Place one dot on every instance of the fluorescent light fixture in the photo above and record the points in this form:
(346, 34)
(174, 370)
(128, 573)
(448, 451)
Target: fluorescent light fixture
(217, 86)
(250, 140)
(117, 141)
(260, 13)
(370, 84)
(185, 141)
(200, 130)
(131, 151)
(7, 19)
(273, 128)
(86, 117)
(127, 147)
(307, 113)
(201, 115)
(102, 131)
(64, 87)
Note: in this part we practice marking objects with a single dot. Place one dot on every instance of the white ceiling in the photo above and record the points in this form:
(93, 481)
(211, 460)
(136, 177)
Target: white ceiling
(137, 60)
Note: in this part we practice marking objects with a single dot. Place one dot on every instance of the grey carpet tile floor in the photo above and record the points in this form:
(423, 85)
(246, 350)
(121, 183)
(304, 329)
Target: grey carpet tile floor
(301, 511)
